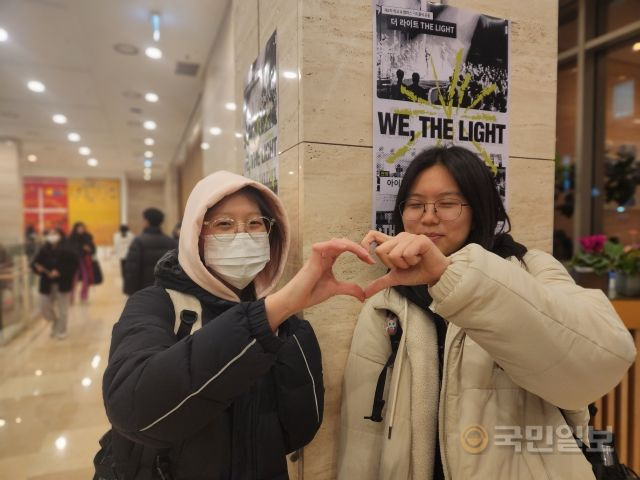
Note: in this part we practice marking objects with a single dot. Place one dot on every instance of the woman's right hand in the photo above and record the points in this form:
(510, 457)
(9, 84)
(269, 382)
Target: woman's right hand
(315, 282)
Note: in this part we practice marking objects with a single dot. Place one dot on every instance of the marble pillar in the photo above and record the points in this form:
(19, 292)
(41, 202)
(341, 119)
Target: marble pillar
(325, 143)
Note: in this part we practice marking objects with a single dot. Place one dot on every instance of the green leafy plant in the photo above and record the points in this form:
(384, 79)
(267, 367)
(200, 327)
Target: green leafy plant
(629, 260)
(597, 254)
(622, 176)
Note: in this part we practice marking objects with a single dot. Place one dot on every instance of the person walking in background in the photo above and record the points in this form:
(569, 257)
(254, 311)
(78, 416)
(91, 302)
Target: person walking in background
(56, 264)
(122, 240)
(145, 251)
(81, 242)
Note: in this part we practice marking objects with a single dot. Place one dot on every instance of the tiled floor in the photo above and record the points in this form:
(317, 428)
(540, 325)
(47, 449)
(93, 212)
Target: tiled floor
(51, 412)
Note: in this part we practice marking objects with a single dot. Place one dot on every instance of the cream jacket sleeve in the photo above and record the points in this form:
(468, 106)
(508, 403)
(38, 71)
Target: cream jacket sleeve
(557, 340)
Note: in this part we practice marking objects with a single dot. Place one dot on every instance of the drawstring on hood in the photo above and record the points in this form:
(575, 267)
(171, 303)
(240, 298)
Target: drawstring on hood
(207, 193)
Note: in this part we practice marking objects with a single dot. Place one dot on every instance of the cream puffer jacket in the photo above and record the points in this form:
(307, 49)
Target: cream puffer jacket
(526, 351)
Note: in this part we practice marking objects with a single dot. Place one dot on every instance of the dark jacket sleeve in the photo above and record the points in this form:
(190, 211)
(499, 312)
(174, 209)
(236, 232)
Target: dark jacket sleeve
(40, 260)
(133, 268)
(158, 391)
(300, 387)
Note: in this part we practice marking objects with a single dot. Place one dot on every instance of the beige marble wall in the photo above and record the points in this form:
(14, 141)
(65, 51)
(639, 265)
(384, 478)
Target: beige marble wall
(143, 195)
(219, 89)
(325, 122)
(12, 229)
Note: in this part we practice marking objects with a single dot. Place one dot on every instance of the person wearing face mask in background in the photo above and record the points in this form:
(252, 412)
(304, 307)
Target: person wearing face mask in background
(232, 398)
(471, 342)
(56, 264)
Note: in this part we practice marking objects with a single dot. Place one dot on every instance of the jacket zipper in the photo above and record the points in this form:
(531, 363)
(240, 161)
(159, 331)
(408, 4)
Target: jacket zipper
(443, 396)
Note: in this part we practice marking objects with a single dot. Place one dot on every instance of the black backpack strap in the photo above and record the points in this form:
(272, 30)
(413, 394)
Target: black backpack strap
(378, 402)
(188, 313)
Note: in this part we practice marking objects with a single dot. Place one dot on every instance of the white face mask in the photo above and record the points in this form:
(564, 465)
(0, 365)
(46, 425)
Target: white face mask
(237, 261)
(52, 238)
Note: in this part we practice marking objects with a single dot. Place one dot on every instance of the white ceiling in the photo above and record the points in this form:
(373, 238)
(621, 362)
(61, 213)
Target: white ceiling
(69, 46)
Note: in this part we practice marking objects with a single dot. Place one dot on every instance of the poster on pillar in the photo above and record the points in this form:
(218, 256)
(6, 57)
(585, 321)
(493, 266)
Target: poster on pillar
(441, 77)
(260, 116)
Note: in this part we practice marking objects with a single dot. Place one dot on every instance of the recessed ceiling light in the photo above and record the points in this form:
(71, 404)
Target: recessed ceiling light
(238, 135)
(3, 422)
(149, 141)
(215, 131)
(36, 86)
(153, 52)
(84, 151)
(148, 163)
(148, 154)
(4, 36)
(126, 49)
(147, 170)
(61, 443)
(59, 119)
(205, 146)
(636, 47)
(155, 23)
(289, 74)
(230, 106)
(73, 137)
(86, 382)
(92, 162)
(32, 158)
(149, 125)
(151, 97)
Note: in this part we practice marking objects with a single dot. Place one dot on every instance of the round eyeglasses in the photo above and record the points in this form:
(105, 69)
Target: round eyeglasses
(225, 229)
(445, 209)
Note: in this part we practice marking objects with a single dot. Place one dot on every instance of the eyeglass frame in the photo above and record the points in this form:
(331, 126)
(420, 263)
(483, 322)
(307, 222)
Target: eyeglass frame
(268, 222)
(402, 204)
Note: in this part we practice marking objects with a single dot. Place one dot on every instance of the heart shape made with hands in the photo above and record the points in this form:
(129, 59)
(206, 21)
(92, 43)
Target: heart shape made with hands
(411, 259)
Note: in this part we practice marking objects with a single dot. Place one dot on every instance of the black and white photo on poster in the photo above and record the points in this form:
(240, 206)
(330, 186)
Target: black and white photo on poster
(441, 76)
(260, 118)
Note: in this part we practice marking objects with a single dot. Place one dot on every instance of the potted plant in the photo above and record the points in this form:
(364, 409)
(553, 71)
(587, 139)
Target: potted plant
(628, 271)
(597, 256)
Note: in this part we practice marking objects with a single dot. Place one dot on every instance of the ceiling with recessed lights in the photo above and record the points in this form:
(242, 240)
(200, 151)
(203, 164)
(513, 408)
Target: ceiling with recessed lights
(92, 85)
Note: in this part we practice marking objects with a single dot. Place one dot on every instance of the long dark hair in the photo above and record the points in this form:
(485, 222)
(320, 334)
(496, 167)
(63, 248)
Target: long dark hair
(478, 187)
(74, 230)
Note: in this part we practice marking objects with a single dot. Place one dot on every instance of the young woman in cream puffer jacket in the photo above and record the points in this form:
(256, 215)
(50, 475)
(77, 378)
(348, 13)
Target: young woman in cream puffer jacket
(524, 350)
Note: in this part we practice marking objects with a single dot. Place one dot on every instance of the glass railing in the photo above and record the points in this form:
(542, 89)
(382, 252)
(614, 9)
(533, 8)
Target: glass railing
(18, 292)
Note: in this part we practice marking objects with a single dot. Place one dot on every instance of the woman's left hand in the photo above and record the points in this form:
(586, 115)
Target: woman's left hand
(411, 259)
(315, 282)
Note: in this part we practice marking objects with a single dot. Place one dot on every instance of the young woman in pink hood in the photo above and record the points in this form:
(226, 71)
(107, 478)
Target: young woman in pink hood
(232, 398)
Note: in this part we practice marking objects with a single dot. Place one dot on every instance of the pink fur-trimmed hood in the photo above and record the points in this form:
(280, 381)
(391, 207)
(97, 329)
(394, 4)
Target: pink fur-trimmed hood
(207, 192)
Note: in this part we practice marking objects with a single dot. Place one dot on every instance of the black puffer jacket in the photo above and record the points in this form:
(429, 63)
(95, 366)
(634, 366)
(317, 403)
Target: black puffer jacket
(144, 252)
(58, 257)
(228, 401)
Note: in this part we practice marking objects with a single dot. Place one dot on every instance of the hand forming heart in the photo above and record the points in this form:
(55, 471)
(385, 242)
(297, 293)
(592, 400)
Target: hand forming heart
(412, 260)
